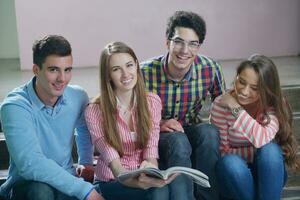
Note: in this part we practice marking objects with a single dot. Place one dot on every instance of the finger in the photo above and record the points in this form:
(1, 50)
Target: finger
(171, 178)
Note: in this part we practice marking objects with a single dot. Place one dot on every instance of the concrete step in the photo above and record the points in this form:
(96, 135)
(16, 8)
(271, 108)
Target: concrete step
(292, 92)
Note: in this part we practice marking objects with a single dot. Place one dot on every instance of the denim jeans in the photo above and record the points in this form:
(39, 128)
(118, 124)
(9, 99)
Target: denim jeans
(114, 190)
(32, 190)
(263, 179)
(197, 148)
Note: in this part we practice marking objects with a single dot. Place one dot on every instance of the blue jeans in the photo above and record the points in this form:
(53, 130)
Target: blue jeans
(33, 190)
(114, 190)
(197, 148)
(263, 179)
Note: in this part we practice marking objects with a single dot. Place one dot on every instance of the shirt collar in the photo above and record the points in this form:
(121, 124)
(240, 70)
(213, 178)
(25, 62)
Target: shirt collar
(190, 74)
(36, 100)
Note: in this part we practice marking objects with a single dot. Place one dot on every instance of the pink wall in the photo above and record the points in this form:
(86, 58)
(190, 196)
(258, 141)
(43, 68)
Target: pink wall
(236, 28)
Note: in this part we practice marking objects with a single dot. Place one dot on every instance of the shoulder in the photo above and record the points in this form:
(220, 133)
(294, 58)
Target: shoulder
(19, 97)
(216, 105)
(203, 60)
(152, 63)
(75, 89)
(75, 93)
(93, 109)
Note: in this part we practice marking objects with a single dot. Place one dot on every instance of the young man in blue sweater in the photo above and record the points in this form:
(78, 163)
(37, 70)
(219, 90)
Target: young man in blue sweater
(39, 120)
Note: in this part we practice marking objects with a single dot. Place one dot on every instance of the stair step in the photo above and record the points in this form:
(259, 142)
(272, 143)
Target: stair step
(292, 92)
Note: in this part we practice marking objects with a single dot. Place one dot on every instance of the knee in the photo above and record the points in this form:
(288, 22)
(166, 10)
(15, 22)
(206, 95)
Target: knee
(41, 191)
(179, 144)
(231, 165)
(208, 134)
(270, 153)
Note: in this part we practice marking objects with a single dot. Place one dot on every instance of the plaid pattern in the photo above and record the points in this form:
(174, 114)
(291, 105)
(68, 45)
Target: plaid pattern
(183, 100)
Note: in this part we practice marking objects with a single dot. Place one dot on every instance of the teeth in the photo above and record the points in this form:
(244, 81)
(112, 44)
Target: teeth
(126, 81)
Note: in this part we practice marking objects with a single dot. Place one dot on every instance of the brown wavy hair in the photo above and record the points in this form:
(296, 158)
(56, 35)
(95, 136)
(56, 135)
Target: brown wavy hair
(108, 102)
(271, 96)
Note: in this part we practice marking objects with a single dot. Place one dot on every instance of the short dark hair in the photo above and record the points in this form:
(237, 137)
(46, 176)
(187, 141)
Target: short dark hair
(50, 45)
(187, 20)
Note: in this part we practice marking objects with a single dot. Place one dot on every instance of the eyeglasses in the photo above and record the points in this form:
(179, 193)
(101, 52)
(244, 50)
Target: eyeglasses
(180, 43)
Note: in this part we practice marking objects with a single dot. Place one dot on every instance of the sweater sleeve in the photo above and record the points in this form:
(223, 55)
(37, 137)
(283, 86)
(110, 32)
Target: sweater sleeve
(94, 121)
(256, 133)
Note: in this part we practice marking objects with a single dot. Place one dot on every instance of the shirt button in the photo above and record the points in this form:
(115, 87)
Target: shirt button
(176, 116)
(177, 102)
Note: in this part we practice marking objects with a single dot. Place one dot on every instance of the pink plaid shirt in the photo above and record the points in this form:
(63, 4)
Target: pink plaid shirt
(132, 157)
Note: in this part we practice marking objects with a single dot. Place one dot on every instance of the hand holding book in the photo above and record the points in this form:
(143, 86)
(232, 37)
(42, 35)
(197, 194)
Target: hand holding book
(197, 176)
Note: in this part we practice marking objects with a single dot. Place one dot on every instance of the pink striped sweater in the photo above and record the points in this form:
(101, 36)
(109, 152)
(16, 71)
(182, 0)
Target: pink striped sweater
(244, 134)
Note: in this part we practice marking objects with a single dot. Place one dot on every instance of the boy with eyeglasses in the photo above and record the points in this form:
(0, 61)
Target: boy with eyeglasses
(184, 80)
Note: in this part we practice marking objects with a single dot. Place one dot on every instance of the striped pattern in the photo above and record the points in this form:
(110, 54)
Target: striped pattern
(183, 100)
(132, 157)
(242, 135)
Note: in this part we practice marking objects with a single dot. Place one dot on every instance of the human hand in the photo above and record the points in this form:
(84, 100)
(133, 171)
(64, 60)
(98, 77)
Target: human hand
(146, 164)
(170, 125)
(86, 172)
(94, 195)
(227, 100)
(146, 182)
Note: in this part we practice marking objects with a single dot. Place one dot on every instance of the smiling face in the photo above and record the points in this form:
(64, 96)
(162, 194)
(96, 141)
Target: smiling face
(246, 87)
(182, 54)
(52, 78)
(122, 72)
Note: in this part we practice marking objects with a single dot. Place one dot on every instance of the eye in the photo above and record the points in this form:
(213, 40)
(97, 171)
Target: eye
(130, 65)
(254, 88)
(53, 69)
(178, 42)
(69, 69)
(194, 44)
(114, 69)
(241, 81)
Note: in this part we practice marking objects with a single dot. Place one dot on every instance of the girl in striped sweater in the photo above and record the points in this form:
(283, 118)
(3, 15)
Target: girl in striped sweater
(255, 124)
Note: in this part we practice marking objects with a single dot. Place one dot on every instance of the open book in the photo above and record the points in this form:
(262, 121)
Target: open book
(197, 176)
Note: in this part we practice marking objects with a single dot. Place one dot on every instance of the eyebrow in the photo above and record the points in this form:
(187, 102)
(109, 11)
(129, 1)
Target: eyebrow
(125, 64)
(247, 82)
(56, 67)
(179, 38)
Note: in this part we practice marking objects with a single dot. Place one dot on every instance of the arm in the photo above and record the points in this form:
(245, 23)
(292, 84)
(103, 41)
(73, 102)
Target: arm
(256, 133)
(94, 120)
(155, 107)
(82, 136)
(25, 151)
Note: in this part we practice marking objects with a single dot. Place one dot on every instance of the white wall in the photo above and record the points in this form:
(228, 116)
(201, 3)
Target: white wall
(236, 28)
(8, 30)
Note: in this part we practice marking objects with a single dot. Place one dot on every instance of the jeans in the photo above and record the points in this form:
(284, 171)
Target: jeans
(33, 190)
(263, 179)
(197, 148)
(114, 190)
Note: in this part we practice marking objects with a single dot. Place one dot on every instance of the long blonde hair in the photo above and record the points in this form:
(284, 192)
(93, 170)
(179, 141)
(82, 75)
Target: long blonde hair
(108, 102)
(271, 96)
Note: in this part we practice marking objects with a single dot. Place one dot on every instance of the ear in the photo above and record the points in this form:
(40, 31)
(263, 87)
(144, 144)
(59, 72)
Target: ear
(35, 69)
(167, 43)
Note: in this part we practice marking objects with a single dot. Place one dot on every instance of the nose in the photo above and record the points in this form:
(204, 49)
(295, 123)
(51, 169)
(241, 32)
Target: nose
(61, 77)
(184, 47)
(246, 90)
(125, 72)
